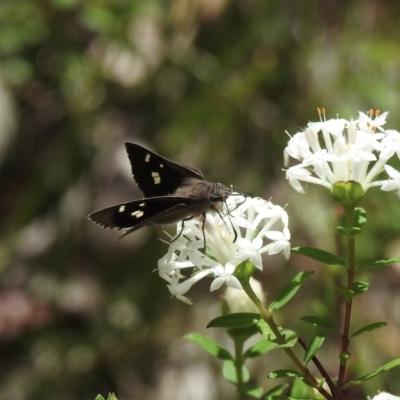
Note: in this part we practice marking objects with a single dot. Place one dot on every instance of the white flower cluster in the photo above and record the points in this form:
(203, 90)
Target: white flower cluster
(341, 150)
(385, 396)
(260, 226)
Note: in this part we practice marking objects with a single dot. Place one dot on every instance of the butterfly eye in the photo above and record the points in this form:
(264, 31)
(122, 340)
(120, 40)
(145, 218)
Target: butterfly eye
(214, 198)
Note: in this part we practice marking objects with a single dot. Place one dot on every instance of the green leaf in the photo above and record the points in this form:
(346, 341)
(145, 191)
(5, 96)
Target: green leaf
(369, 328)
(284, 373)
(319, 255)
(348, 231)
(322, 323)
(301, 389)
(346, 293)
(229, 372)
(384, 368)
(209, 346)
(275, 391)
(344, 356)
(314, 346)
(261, 347)
(289, 290)
(380, 263)
(235, 320)
(291, 398)
(267, 334)
(253, 391)
(289, 343)
(360, 218)
(99, 397)
(360, 287)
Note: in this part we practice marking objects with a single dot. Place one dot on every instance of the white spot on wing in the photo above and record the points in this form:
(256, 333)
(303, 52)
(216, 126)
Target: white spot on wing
(161, 165)
(156, 177)
(137, 214)
(142, 204)
(121, 209)
(147, 158)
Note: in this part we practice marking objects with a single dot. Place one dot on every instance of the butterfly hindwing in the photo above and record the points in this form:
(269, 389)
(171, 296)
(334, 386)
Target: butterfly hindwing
(156, 175)
(145, 212)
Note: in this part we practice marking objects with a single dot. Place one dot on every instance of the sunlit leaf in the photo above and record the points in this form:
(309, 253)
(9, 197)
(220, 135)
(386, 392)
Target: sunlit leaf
(229, 372)
(275, 391)
(210, 346)
(261, 347)
(380, 263)
(313, 347)
(380, 370)
(289, 290)
(235, 320)
(320, 322)
(253, 391)
(319, 255)
(284, 373)
(369, 328)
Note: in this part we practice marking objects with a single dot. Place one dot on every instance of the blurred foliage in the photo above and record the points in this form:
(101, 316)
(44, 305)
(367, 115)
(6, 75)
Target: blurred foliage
(214, 84)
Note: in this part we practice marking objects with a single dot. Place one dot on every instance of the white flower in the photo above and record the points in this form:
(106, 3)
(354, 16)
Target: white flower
(385, 396)
(259, 227)
(394, 182)
(224, 275)
(339, 150)
(248, 250)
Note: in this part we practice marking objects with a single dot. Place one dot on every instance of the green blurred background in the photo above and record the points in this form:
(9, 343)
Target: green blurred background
(211, 83)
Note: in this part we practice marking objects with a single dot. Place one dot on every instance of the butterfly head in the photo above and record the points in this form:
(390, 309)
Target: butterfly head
(219, 193)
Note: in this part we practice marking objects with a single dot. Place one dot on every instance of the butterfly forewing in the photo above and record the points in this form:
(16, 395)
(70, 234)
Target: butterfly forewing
(156, 175)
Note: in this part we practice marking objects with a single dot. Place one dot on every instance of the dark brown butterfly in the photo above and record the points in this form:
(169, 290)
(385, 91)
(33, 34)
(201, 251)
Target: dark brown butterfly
(172, 192)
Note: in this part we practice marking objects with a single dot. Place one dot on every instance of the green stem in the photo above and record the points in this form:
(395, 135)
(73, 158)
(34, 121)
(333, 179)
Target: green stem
(239, 365)
(349, 215)
(268, 318)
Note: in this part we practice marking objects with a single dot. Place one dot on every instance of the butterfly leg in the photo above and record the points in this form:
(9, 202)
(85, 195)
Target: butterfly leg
(183, 227)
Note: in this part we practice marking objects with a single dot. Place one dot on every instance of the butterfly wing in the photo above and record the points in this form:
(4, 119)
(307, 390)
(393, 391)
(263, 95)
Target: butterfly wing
(145, 212)
(156, 175)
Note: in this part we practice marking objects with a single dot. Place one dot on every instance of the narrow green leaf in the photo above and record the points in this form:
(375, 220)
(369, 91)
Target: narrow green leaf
(291, 398)
(289, 343)
(229, 372)
(275, 391)
(358, 288)
(320, 322)
(99, 397)
(289, 290)
(112, 396)
(314, 346)
(319, 255)
(380, 263)
(384, 368)
(209, 346)
(348, 231)
(235, 320)
(284, 373)
(369, 328)
(261, 347)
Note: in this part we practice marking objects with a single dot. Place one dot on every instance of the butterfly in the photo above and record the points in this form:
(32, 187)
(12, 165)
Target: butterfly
(172, 192)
